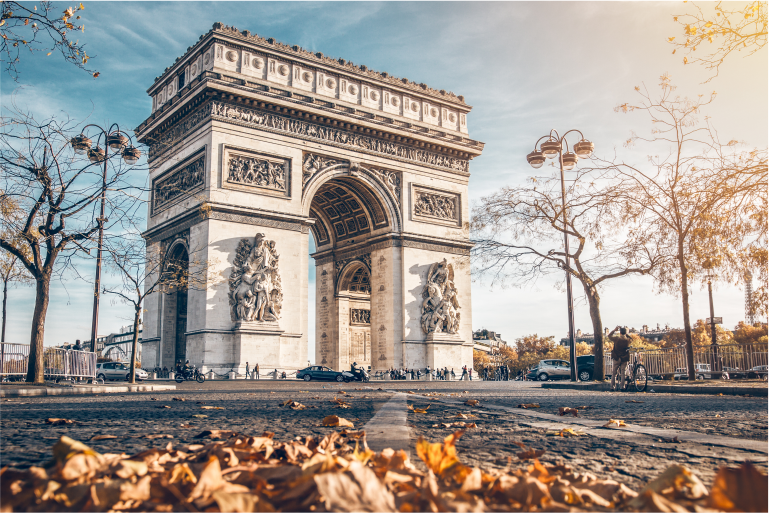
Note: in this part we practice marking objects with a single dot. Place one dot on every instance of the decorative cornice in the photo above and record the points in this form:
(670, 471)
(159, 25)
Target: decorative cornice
(339, 65)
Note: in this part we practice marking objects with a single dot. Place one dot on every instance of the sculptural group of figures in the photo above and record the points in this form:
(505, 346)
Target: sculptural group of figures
(440, 305)
(255, 288)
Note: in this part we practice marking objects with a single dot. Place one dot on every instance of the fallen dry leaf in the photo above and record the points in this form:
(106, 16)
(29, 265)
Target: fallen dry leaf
(153, 398)
(739, 489)
(216, 433)
(58, 422)
(472, 402)
(565, 432)
(585, 407)
(178, 399)
(418, 410)
(101, 437)
(529, 405)
(162, 406)
(199, 416)
(565, 410)
(155, 436)
(294, 405)
(530, 454)
(333, 421)
(614, 422)
(633, 401)
(466, 416)
(211, 408)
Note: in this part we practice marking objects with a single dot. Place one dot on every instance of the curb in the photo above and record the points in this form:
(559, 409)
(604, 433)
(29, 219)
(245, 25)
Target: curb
(84, 390)
(665, 389)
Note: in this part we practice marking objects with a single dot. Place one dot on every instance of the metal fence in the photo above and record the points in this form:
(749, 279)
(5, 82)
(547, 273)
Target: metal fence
(57, 363)
(736, 359)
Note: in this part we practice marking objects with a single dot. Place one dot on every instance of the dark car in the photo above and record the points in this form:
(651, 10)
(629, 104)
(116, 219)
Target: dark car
(585, 366)
(320, 373)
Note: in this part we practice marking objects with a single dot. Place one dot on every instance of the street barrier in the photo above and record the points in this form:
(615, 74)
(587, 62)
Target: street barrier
(736, 360)
(57, 363)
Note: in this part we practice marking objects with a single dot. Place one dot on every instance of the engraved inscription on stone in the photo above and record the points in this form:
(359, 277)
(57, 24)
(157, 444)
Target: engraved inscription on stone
(360, 316)
(257, 172)
(179, 183)
(444, 207)
(440, 303)
(256, 293)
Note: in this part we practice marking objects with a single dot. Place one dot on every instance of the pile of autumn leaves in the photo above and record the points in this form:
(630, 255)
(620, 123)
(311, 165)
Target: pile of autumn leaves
(340, 473)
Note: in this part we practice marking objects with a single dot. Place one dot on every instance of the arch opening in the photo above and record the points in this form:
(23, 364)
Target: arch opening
(174, 320)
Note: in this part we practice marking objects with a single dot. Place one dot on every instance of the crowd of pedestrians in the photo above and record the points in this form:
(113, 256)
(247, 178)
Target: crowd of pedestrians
(444, 374)
(495, 373)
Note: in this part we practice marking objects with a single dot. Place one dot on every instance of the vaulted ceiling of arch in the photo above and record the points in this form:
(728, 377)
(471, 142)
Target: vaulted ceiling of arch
(344, 209)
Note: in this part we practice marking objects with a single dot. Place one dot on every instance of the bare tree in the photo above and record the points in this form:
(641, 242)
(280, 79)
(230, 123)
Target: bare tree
(722, 31)
(58, 194)
(11, 270)
(692, 194)
(518, 235)
(146, 271)
(25, 27)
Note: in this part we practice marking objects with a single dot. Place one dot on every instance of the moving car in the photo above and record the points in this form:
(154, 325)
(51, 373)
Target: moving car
(118, 370)
(319, 373)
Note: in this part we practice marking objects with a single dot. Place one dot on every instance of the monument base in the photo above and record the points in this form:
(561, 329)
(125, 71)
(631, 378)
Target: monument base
(447, 350)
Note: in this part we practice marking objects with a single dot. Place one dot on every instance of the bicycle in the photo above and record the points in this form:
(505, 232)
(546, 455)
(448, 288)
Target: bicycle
(636, 376)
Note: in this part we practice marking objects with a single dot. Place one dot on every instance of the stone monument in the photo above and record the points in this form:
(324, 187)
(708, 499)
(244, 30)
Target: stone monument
(253, 145)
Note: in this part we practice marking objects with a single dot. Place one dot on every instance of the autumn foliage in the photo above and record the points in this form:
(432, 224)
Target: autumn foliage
(340, 473)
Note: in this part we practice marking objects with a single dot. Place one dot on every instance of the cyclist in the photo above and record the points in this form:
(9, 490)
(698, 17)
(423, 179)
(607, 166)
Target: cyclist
(620, 356)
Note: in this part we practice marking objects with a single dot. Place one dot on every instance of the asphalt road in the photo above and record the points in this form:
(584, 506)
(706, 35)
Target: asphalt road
(143, 420)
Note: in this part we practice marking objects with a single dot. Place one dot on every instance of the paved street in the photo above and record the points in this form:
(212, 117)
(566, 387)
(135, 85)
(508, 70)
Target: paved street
(254, 407)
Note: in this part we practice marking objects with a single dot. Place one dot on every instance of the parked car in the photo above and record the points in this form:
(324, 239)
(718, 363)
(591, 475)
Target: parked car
(585, 366)
(118, 370)
(760, 372)
(734, 373)
(701, 371)
(553, 369)
(320, 373)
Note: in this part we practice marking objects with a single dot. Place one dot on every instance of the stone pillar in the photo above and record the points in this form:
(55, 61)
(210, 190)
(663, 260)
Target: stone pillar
(386, 308)
(324, 307)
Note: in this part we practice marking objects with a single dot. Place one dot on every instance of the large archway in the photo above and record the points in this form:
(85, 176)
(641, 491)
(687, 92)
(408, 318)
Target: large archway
(352, 208)
(173, 341)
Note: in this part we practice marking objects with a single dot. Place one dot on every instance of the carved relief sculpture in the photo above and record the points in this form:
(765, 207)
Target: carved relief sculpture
(258, 172)
(313, 164)
(360, 316)
(256, 293)
(179, 183)
(440, 303)
(436, 205)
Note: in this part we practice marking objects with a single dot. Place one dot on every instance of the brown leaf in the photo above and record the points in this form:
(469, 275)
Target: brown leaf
(102, 437)
(677, 482)
(162, 406)
(216, 433)
(418, 410)
(633, 401)
(356, 489)
(155, 436)
(333, 421)
(58, 422)
(472, 402)
(565, 410)
(739, 489)
(529, 405)
(178, 399)
(530, 454)
(650, 501)
(211, 408)
(614, 422)
(240, 502)
(294, 405)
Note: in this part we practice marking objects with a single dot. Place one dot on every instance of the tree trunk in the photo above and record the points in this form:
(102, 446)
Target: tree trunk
(132, 368)
(594, 301)
(35, 369)
(5, 298)
(685, 303)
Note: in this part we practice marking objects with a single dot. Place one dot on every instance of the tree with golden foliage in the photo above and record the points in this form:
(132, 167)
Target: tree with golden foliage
(692, 195)
(745, 334)
(25, 27)
(719, 33)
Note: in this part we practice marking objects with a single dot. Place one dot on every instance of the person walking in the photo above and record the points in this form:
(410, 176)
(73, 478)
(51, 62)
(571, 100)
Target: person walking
(464, 371)
(247, 370)
(256, 370)
(620, 356)
(453, 376)
(470, 371)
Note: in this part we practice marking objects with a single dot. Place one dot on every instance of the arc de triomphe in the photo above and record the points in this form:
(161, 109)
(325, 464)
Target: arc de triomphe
(253, 144)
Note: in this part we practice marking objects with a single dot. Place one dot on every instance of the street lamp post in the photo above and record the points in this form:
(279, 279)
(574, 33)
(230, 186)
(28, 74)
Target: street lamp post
(709, 265)
(118, 141)
(552, 146)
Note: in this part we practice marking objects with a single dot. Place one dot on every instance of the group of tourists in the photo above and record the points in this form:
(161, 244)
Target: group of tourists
(444, 374)
(253, 374)
(495, 373)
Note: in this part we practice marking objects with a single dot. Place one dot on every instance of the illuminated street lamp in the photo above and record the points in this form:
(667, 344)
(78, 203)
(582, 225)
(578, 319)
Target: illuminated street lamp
(552, 146)
(118, 141)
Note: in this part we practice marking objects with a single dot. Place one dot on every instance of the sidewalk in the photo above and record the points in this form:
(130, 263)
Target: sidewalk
(33, 391)
(754, 390)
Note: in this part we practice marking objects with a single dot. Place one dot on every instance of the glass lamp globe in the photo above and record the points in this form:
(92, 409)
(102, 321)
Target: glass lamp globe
(536, 159)
(131, 155)
(81, 144)
(550, 148)
(569, 160)
(584, 149)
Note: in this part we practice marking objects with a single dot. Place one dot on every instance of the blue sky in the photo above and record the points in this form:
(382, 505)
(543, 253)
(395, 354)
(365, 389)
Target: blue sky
(524, 67)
